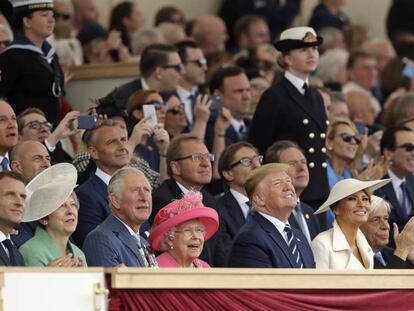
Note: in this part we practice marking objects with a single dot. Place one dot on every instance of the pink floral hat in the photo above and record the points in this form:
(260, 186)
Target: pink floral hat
(179, 211)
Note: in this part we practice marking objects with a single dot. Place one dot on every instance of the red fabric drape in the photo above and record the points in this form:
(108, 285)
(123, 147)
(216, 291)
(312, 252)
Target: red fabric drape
(260, 300)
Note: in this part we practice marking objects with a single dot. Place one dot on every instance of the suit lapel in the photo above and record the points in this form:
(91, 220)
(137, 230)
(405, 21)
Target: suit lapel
(275, 236)
(305, 106)
(392, 197)
(4, 259)
(236, 216)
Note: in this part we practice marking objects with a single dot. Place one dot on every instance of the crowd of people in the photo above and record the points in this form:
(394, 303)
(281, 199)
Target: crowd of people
(269, 146)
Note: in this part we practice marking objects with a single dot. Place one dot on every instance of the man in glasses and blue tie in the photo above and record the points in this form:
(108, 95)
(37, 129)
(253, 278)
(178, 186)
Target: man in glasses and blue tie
(397, 145)
(268, 240)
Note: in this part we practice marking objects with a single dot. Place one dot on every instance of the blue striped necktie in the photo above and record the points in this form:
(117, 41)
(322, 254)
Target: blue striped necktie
(5, 164)
(293, 248)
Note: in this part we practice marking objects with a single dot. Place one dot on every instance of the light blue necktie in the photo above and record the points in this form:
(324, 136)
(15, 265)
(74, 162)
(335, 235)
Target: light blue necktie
(5, 164)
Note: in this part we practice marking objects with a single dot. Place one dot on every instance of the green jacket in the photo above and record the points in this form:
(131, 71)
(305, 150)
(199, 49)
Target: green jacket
(41, 249)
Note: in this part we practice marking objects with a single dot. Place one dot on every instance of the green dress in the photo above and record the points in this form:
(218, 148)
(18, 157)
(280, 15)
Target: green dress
(41, 249)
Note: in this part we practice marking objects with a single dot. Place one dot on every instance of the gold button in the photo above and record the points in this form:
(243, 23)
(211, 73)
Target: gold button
(324, 165)
(305, 121)
(311, 164)
(311, 135)
(311, 150)
(323, 135)
(323, 150)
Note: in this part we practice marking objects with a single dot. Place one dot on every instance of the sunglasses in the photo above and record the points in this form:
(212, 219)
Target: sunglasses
(247, 161)
(35, 125)
(176, 67)
(63, 16)
(407, 146)
(177, 109)
(157, 105)
(199, 62)
(349, 137)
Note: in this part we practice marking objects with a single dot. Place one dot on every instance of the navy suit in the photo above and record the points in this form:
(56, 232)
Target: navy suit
(284, 113)
(111, 244)
(312, 222)
(94, 207)
(121, 94)
(393, 262)
(5, 261)
(169, 191)
(397, 214)
(260, 245)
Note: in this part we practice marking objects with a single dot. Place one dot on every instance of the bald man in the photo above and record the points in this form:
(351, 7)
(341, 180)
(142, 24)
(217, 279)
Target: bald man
(85, 11)
(210, 33)
(267, 240)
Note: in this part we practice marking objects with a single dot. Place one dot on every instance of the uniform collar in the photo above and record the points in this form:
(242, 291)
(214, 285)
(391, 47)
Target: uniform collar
(24, 43)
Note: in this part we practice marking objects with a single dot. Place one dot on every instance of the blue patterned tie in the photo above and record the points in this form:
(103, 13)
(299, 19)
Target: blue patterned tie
(404, 199)
(293, 248)
(5, 164)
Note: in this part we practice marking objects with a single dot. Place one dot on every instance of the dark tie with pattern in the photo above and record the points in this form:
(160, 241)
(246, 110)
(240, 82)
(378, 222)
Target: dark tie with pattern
(249, 213)
(293, 248)
(5, 165)
(404, 197)
(12, 252)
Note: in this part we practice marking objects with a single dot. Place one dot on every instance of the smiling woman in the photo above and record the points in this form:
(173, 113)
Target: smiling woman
(180, 229)
(345, 246)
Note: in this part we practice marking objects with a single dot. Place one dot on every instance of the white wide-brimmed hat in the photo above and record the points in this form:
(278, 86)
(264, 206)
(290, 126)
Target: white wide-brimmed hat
(349, 186)
(49, 190)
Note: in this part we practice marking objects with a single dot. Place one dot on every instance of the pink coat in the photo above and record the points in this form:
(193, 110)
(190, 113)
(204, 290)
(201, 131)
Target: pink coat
(165, 260)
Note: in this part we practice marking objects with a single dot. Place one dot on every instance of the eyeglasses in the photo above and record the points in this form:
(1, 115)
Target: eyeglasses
(35, 125)
(157, 105)
(198, 157)
(349, 137)
(177, 109)
(407, 146)
(247, 161)
(199, 62)
(63, 16)
(177, 67)
(188, 233)
(5, 42)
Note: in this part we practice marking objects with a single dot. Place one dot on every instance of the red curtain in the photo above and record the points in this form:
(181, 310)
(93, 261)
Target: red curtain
(250, 299)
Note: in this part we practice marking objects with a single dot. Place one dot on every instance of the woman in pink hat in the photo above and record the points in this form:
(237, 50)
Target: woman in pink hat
(180, 229)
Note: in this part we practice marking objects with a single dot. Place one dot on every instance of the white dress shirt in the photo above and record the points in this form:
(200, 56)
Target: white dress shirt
(103, 176)
(241, 199)
(296, 81)
(279, 225)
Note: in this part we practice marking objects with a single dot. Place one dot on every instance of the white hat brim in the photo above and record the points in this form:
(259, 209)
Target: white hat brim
(346, 187)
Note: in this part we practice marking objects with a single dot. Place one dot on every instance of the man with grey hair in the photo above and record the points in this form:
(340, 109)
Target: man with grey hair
(117, 242)
(143, 38)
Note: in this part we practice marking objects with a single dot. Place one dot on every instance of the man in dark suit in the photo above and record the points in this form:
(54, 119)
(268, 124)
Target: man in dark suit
(12, 207)
(117, 242)
(160, 68)
(377, 232)
(268, 241)
(292, 110)
(288, 152)
(397, 145)
(189, 167)
(236, 162)
(232, 87)
(107, 144)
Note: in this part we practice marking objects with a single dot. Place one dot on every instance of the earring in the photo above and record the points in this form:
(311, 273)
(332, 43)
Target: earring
(44, 223)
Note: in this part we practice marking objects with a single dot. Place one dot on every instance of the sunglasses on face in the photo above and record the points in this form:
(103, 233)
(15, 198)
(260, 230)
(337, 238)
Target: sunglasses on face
(349, 137)
(177, 109)
(247, 161)
(199, 62)
(407, 146)
(157, 105)
(176, 67)
(35, 125)
(63, 16)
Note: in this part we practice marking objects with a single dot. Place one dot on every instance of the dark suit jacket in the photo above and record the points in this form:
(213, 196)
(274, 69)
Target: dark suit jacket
(231, 220)
(111, 244)
(94, 207)
(312, 222)
(284, 113)
(397, 214)
(169, 191)
(121, 94)
(393, 262)
(260, 245)
(5, 261)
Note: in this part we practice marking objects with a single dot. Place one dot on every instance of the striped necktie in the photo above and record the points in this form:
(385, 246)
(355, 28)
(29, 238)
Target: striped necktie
(293, 248)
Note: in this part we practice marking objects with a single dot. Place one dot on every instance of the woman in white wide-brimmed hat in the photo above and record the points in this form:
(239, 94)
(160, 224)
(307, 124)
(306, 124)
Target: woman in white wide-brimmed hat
(344, 246)
(52, 202)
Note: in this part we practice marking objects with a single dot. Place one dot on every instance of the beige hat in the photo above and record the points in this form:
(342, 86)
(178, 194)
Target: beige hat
(49, 190)
(349, 186)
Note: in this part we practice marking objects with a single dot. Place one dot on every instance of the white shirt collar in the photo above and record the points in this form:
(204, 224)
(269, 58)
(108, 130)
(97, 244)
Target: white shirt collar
(144, 84)
(184, 96)
(280, 225)
(241, 199)
(3, 236)
(128, 227)
(296, 81)
(102, 175)
(183, 189)
(237, 124)
(395, 180)
(184, 93)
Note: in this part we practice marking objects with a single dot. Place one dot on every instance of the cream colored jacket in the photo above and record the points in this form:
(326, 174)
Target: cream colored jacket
(332, 251)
